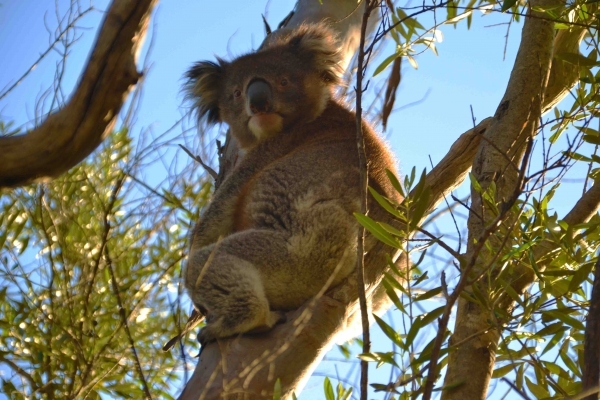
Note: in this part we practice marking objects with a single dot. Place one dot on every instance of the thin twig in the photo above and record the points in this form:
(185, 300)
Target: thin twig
(364, 177)
(516, 389)
(441, 243)
(208, 169)
(123, 315)
(45, 53)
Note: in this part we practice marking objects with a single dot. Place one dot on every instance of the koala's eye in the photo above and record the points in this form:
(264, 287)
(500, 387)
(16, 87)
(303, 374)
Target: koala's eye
(283, 82)
(237, 93)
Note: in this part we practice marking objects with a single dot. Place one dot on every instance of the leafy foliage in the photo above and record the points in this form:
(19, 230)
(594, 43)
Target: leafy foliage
(61, 332)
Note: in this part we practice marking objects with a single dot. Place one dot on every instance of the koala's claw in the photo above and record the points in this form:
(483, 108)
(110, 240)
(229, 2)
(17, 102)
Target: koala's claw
(205, 336)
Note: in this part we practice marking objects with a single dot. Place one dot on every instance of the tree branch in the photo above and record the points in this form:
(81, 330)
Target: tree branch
(71, 134)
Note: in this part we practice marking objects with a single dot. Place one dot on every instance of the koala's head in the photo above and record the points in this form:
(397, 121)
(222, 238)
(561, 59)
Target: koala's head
(288, 81)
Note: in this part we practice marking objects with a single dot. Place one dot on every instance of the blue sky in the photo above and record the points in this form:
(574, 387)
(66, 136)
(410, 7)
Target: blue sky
(469, 71)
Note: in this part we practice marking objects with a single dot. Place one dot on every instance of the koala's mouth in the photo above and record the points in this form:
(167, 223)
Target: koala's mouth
(265, 124)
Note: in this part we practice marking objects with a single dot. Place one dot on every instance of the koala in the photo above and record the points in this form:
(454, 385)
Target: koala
(282, 222)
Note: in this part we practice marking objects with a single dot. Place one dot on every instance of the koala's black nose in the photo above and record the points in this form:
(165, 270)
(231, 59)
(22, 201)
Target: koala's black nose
(259, 96)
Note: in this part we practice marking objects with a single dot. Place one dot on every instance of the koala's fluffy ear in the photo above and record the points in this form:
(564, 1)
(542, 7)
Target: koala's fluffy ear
(317, 44)
(203, 87)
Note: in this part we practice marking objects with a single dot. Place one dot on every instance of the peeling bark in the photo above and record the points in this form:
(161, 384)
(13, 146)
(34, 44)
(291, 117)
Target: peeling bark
(72, 133)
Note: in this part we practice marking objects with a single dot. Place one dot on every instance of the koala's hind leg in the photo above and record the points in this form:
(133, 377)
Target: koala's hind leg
(231, 292)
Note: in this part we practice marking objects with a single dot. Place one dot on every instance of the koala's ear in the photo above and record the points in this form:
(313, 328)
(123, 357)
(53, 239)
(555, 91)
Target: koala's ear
(203, 86)
(317, 44)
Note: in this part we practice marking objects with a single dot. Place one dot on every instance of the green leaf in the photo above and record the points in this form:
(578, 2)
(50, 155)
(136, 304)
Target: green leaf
(383, 202)
(419, 279)
(392, 230)
(429, 294)
(342, 393)
(481, 299)
(567, 319)
(500, 372)
(394, 267)
(577, 156)
(550, 329)
(377, 231)
(588, 131)
(576, 59)
(277, 390)
(538, 390)
(412, 333)
(508, 4)
(580, 276)
(591, 139)
(432, 315)
(511, 292)
(475, 183)
(384, 64)
(518, 250)
(555, 339)
(395, 183)
(389, 331)
(383, 388)
(420, 206)
(564, 356)
(391, 293)
(328, 389)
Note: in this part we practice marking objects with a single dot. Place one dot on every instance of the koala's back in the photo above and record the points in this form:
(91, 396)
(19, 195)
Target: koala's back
(307, 190)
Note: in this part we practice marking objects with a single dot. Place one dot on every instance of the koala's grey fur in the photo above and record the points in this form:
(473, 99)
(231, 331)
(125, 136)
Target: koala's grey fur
(282, 221)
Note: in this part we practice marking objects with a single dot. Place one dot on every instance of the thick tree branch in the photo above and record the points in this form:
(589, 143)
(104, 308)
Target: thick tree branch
(71, 134)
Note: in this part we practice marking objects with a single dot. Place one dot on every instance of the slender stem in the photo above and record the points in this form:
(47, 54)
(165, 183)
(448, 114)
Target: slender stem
(123, 315)
(364, 181)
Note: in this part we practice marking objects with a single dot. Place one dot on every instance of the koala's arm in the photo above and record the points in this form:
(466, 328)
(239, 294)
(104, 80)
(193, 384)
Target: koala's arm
(216, 222)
